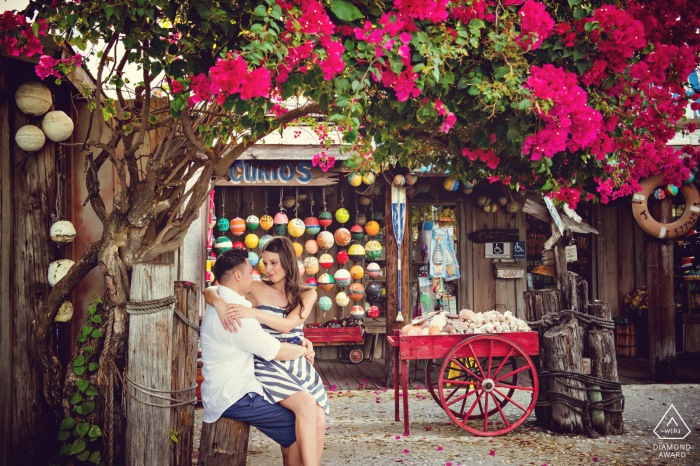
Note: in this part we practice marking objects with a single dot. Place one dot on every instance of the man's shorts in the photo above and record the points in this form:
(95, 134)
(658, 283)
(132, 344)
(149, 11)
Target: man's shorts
(273, 420)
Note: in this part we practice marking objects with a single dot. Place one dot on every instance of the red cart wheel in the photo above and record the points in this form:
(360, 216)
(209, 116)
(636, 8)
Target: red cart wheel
(356, 355)
(434, 365)
(488, 386)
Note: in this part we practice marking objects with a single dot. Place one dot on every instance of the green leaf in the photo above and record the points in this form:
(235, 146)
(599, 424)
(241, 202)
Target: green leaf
(63, 435)
(79, 370)
(87, 407)
(83, 384)
(573, 3)
(547, 186)
(65, 449)
(77, 447)
(476, 24)
(462, 83)
(96, 333)
(261, 10)
(82, 429)
(342, 100)
(79, 361)
(76, 398)
(578, 55)
(91, 391)
(109, 10)
(82, 456)
(94, 432)
(95, 457)
(86, 330)
(128, 43)
(524, 104)
(500, 72)
(89, 350)
(67, 423)
(346, 11)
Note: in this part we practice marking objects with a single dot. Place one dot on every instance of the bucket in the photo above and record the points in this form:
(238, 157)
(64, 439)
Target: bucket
(625, 340)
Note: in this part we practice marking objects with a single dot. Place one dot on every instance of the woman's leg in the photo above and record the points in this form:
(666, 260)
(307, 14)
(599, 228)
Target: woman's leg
(304, 407)
(320, 430)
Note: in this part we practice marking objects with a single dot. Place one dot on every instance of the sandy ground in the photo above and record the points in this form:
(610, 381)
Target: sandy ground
(362, 431)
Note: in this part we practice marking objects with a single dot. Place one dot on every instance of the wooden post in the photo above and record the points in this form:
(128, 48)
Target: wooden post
(662, 335)
(563, 347)
(150, 359)
(223, 443)
(601, 350)
(574, 292)
(184, 372)
(559, 256)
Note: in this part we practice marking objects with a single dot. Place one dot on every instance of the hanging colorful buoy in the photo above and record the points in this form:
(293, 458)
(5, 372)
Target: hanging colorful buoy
(256, 275)
(222, 244)
(368, 178)
(357, 232)
(325, 240)
(253, 258)
(341, 299)
(355, 179)
(373, 312)
(690, 179)
(252, 240)
(325, 219)
(341, 257)
(261, 266)
(326, 282)
(361, 219)
(302, 269)
(263, 241)
(373, 270)
(326, 261)
(266, 222)
(239, 245)
(312, 226)
(356, 291)
(281, 222)
(411, 179)
(342, 237)
(659, 194)
(399, 180)
(357, 312)
(311, 264)
(325, 304)
(451, 184)
(312, 282)
(296, 227)
(372, 228)
(357, 272)
(252, 222)
(342, 278)
(222, 224)
(356, 253)
(298, 248)
(311, 246)
(342, 215)
(373, 292)
(373, 249)
(237, 226)
(364, 200)
(671, 190)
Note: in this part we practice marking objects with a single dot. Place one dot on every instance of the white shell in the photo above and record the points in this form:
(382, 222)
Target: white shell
(33, 98)
(65, 312)
(30, 138)
(58, 269)
(63, 232)
(57, 126)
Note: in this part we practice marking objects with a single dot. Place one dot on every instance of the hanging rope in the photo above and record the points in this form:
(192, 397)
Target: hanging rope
(60, 184)
(238, 206)
(151, 307)
(152, 392)
(296, 203)
(342, 199)
(252, 206)
(312, 203)
(282, 209)
(323, 190)
(266, 204)
(357, 207)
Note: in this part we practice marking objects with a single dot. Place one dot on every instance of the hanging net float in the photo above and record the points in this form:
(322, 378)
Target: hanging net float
(357, 272)
(342, 237)
(342, 215)
(326, 282)
(451, 184)
(373, 292)
(357, 232)
(361, 219)
(280, 223)
(325, 240)
(325, 304)
(312, 282)
(311, 246)
(239, 245)
(302, 269)
(252, 222)
(312, 226)
(342, 278)
(373, 249)
(342, 299)
(296, 227)
(357, 312)
(355, 179)
(253, 258)
(263, 241)
(222, 224)
(311, 265)
(298, 249)
(373, 270)
(356, 253)
(341, 257)
(326, 261)
(222, 244)
(237, 226)
(372, 228)
(325, 219)
(356, 291)
(252, 240)
(266, 222)
(373, 312)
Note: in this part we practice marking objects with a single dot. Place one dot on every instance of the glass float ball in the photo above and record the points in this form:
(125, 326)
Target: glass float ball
(342, 278)
(325, 240)
(373, 312)
(373, 291)
(253, 258)
(302, 269)
(325, 304)
(326, 282)
(239, 245)
(326, 261)
(357, 272)
(266, 222)
(311, 246)
(356, 253)
(311, 265)
(451, 184)
(256, 275)
(222, 224)
(296, 227)
(288, 201)
(355, 179)
(312, 226)
(373, 270)
(263, 241)
(325, 219)
(368, 178)
(373, 249)
(252, 222)
(342, 299)
(237, 226)
(342, 237)
(357, 312)
(342, 215)
(298, 248)
(252, 240)
(312, 282)
(357, 232)
(281, 222)
(372, 228)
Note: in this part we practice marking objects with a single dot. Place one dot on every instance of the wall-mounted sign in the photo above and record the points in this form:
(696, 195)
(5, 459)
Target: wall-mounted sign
(519, 250)
(555, 215)
(497, 250)
(509, 268)
(287, 174)
(496, 235)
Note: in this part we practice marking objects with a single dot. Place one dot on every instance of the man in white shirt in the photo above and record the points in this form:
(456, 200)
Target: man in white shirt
(230, 388)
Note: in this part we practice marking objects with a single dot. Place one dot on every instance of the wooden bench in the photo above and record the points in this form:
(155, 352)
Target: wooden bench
(224, 443)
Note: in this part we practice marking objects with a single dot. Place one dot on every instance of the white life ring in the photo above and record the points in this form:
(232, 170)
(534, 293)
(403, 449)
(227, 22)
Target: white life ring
(669, 230)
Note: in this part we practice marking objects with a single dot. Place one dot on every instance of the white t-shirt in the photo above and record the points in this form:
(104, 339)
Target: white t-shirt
(228, 370)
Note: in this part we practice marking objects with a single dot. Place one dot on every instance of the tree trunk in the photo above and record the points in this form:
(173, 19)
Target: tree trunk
(563, 346)
(662, 335)
(184, 372)
(574, 292)
(150, 365)
(223, 443)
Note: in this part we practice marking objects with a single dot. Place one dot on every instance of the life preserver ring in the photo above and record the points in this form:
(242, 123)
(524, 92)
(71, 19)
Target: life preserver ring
(671, 230)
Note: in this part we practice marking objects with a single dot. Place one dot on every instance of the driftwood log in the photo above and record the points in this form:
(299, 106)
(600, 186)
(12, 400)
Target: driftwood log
(563, 350)
(224, 443)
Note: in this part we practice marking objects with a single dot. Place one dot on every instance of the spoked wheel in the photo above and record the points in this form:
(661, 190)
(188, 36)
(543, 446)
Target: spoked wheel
(432, 374)
(356, 355)
(474, 391)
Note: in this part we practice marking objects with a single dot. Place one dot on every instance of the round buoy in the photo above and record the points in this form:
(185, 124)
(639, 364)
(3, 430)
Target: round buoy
(311, 246)
(342, 237)
(325, 240)
(237, 226)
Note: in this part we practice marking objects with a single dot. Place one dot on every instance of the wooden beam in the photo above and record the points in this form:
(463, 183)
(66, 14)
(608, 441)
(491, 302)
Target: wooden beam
(289, 152)
(540, 212)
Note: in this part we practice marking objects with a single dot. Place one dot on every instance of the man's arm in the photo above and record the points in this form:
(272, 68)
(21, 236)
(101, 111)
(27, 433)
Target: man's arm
(289, 352)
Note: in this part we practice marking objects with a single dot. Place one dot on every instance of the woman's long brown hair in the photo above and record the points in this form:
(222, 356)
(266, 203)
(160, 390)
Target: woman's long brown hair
(292, 282)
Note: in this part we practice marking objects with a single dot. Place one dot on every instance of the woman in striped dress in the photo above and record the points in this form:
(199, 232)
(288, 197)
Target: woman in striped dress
(282, 305)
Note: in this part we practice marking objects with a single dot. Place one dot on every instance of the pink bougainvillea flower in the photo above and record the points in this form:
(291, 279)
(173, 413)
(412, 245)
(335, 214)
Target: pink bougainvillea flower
(449, 122)
(534, 20)
(492, 452)
(176, 87)
(405, 451)
(439, 448)
(45, 67)
(428, 428)
(442, 110)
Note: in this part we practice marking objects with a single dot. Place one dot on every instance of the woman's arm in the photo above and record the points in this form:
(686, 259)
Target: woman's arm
(230, 322)
(293, 319)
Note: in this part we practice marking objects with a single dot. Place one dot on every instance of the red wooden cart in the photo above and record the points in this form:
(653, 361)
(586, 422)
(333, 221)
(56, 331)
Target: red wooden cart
(350, 339)
(475, 372)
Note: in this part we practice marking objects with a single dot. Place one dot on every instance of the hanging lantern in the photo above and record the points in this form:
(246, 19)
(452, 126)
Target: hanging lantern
(312, 282)
(410, 179)
(237, 226)
(364, 200)
(372, 228)
(302, 269)
(373, 292)
(357, 232)
(266, 222)
(288, 201)
(33, 98)
(341, 299)
(342, 237)
(298, 248)
(341, 257)
(373, 249)
(222, 224)
(325, 304)
(357, 312)
(356, 253)
(325, 219)
(256, 275)
(368, 178)
(342, 215)
(65, 312)
(58, 269)
(355, 179)
(399, 180)
(373, 312)
(239, 245)
(311, 265)
(326, 282)
(312, 226)
(373, 270)
(342, 278)
(450, 184)
(253, 258)
(361, 219)
(326, 261)
(263, 241)
(281, 222)
(252, 240)
(296, 227)
(62, 232)
(252, 222)
(30, 138)
(222, 244)
(357, 272)
(311, 246)
(325, 240)
(57, 126)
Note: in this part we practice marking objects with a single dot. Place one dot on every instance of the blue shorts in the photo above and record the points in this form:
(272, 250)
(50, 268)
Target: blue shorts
(273, 420)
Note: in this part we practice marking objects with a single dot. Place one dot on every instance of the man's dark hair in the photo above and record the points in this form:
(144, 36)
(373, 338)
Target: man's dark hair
(227, 262)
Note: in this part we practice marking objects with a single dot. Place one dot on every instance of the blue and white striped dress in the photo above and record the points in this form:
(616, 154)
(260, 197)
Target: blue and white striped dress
(280, 379)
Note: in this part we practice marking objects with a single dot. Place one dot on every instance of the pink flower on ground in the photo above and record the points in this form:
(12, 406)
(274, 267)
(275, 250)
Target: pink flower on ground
(439, 448)
(405, 451)
(492, 453)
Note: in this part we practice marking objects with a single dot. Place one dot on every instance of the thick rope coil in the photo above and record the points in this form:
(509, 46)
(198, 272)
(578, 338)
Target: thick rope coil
(151, 307)
(137, 387)
(550, 320)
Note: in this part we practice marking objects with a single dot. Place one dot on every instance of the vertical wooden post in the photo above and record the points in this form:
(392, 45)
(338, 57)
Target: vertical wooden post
(662, 335)
(184, 372)
(224, 443)
(149, 364)
(559, 257)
